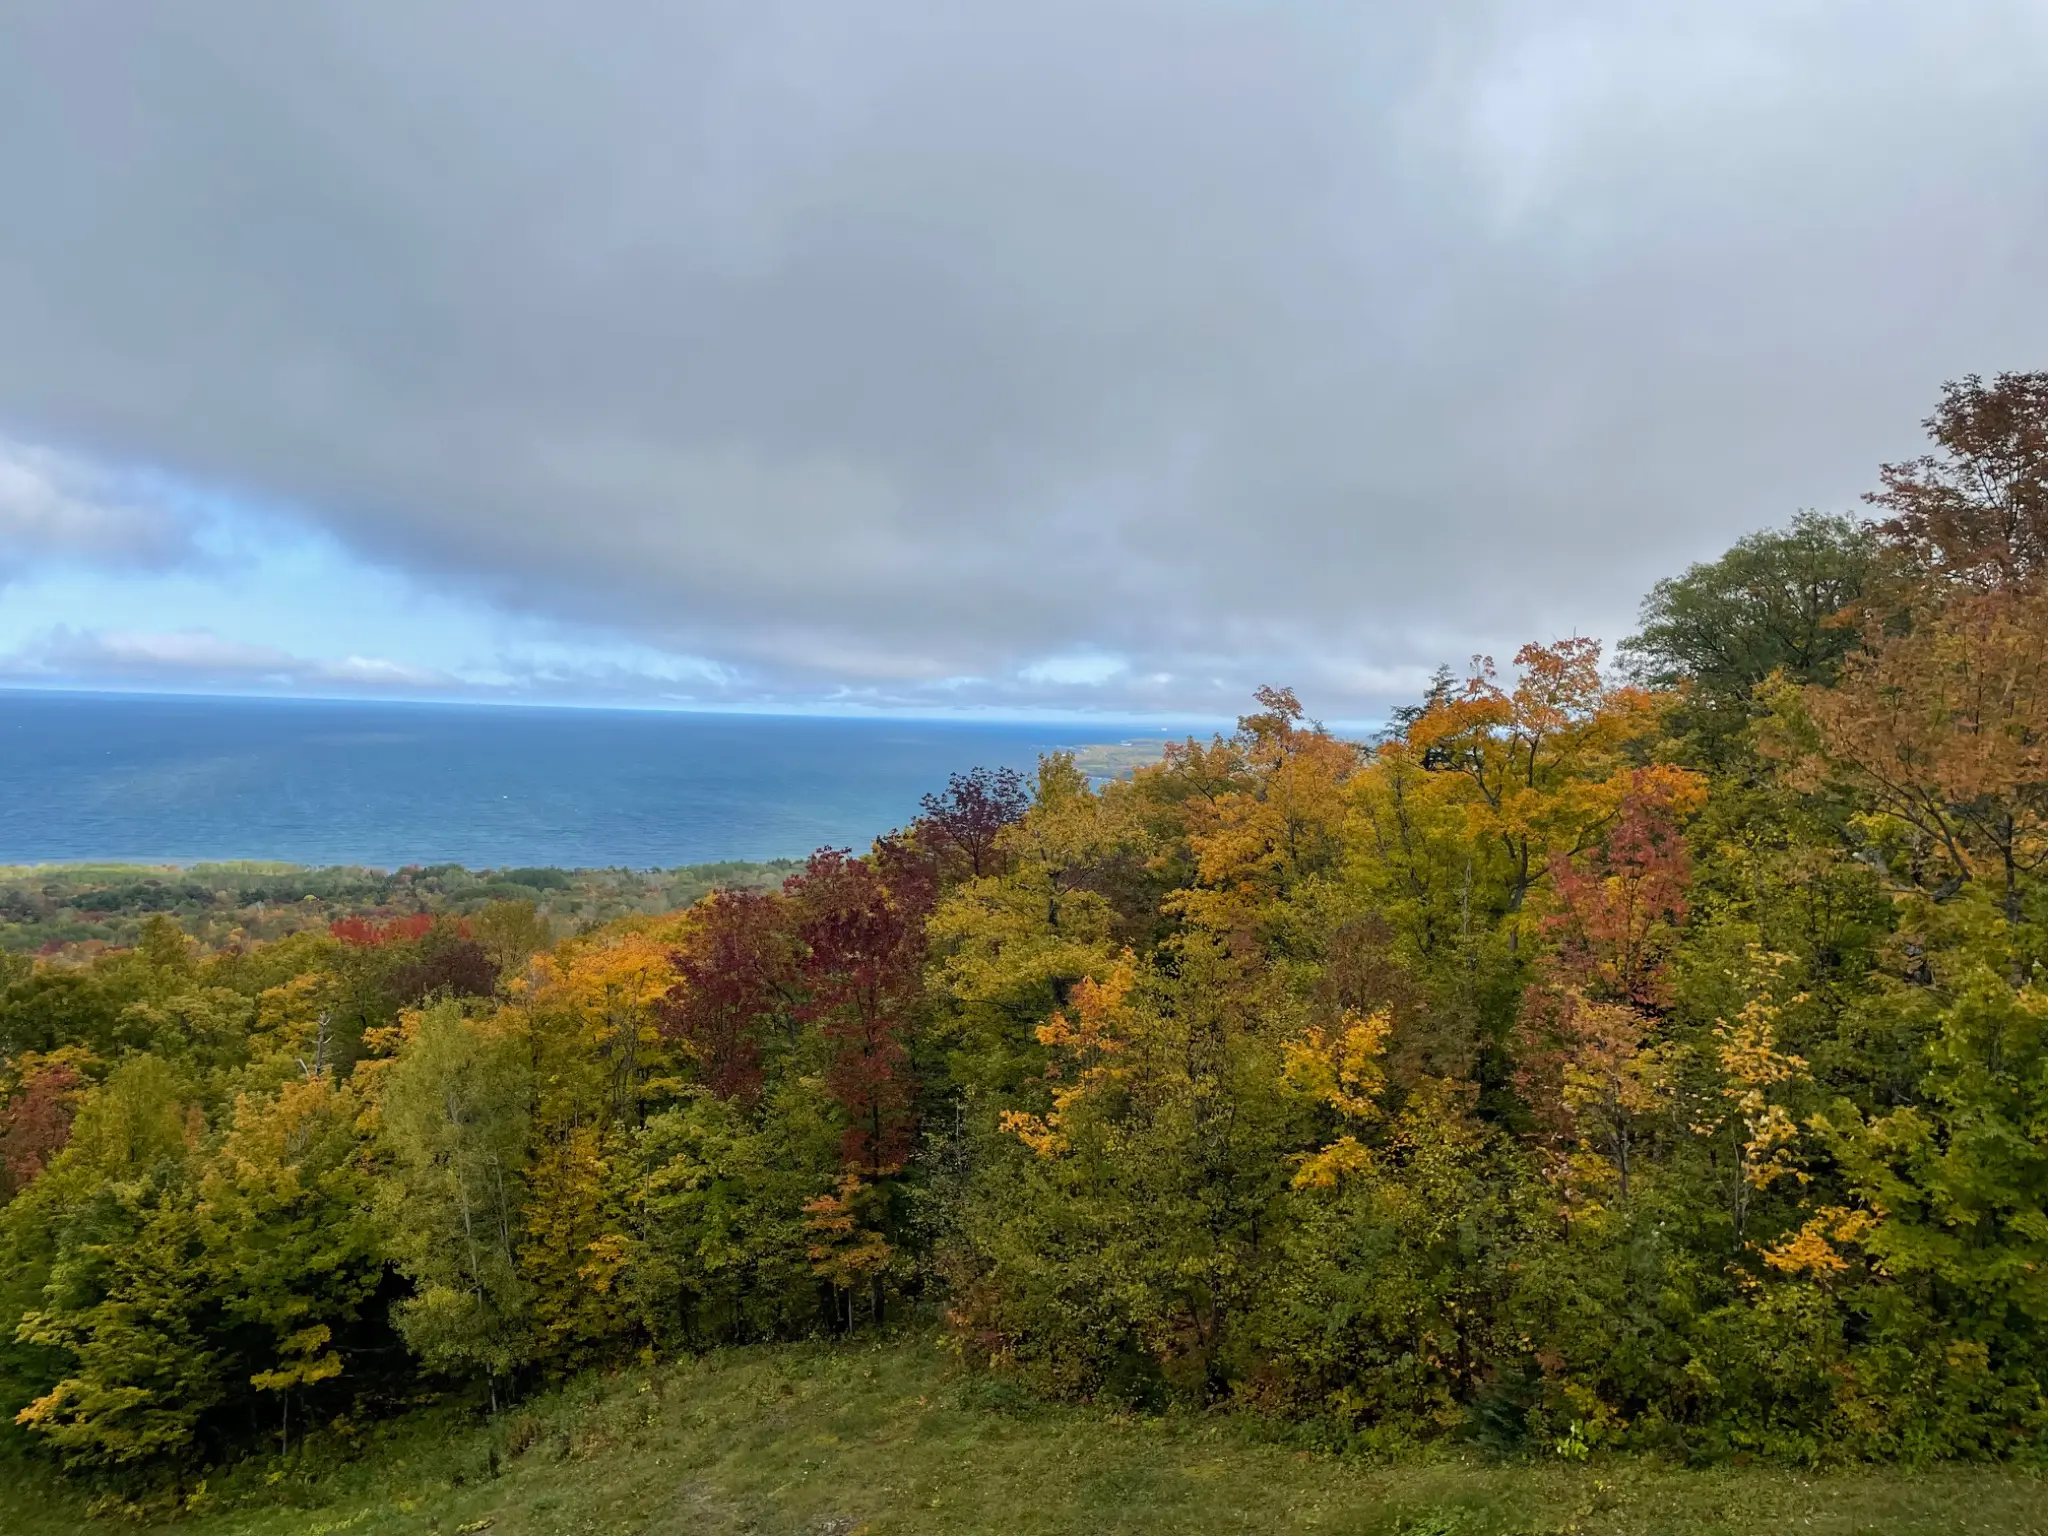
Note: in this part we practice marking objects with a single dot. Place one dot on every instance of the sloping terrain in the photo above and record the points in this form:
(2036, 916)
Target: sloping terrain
(895, 1438)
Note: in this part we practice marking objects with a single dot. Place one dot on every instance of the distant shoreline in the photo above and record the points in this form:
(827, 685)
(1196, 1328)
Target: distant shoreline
(179, 782)
(1117, 760)
(54, 905)
(51, 908)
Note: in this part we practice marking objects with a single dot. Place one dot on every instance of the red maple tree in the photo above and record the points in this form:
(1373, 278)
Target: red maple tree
(36, 1123)
(734, 972)
(863, 953)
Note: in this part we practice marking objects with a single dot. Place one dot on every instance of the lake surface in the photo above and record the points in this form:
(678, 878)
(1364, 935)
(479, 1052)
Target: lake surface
(153, 779)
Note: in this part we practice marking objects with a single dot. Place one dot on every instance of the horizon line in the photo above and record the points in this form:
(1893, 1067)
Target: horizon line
(964, 715)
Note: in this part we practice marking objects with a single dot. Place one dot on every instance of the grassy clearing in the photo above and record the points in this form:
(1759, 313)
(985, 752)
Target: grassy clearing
(891, 1438)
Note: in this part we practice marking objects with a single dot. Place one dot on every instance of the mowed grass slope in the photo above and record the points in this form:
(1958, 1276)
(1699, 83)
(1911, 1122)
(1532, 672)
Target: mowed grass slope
(894, 1438)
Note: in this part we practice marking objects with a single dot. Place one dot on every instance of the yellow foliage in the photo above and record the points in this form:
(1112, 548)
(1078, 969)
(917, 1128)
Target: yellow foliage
(1098, 1009)
(1341, 1067)
(608, 1255)
(311, 1365)
(1272, 810)
(593, 1006)
(292, 1020)
(1097, 1032)
(842, 1249)
(1749, 1056)
(269, 1134)
(1033, 1131)
(1536, 770)
(1812, 1249)
(1328, 1168)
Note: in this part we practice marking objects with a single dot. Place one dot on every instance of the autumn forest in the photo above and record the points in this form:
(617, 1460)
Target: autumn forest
(1642, 1049)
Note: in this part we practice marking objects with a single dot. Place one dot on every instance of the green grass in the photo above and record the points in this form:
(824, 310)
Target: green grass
(892, 1438)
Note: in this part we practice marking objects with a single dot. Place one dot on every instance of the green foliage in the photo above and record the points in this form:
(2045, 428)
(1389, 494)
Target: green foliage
(1584, 1066)
(117, 1288)
(126, 1305)
(453, 1116)
(721, 1246)
(61, 906)
(286, 1212)
(1775, 603)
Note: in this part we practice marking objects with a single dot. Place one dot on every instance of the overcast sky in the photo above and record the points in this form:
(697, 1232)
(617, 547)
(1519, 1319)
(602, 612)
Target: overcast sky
(1113, 355)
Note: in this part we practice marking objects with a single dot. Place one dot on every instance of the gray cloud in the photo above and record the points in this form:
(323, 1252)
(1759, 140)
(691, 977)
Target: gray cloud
(57, 508)
(199, 658)
(883, 347)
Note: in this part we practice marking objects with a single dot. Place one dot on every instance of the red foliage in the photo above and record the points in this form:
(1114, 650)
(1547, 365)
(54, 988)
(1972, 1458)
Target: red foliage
(1977, 513)
(1599, 990)
(863, 960)
(35, 1124)
(964, 823)
(736, 967)
(1618, 912)
(461, 968)
(909, 873)
(368, 933)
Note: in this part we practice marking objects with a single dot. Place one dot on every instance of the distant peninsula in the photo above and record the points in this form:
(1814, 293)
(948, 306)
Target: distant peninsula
(1118, 760)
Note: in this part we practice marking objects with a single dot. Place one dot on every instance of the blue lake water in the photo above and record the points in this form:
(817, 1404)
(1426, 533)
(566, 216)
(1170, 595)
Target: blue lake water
(154, 779)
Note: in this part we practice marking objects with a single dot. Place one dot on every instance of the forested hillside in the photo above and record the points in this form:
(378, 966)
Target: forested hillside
(1652, 1057)
(76, 909)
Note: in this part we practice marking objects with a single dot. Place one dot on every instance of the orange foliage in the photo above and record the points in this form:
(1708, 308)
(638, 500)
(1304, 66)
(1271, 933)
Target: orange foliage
(1946, 729)
(1088, 1044)
(368, 933)
(1544, 763)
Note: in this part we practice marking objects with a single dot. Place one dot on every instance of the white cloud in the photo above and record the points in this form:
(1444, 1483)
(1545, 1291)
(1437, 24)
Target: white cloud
(1087, 669)
(57, 507)
(376, 670)
(199, 658)
(196, 650)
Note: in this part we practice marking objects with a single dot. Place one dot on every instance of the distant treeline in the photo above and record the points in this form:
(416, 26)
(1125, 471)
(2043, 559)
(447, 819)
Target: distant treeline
(1652, 1061)
(52, 907)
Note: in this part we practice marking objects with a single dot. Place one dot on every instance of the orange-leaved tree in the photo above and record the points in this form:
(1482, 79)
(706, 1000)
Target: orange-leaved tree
(1540, 769)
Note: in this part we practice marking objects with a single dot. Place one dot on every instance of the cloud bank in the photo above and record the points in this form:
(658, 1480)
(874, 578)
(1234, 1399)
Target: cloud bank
(197, 658)
(57, 509)
(1119, 354)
